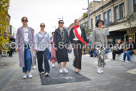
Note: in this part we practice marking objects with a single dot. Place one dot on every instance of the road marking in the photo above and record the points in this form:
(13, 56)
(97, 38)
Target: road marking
(107, 60)
(133, 71)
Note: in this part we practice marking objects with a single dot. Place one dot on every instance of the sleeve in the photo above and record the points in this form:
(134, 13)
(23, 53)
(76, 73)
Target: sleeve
(33, 38)
(55, 40)
(85, 38)
(105, 38)
(49, 43)
(71, 36)
(93, 38)
(36, 42)
(68, 41)
(121, 47)
(17, 38)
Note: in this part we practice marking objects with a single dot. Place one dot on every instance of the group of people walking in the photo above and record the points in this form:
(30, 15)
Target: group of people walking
(58, 46)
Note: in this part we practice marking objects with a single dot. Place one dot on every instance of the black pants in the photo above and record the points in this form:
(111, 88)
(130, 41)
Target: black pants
(10, 53)
(78, 54)
(116, 52)
(42, 57)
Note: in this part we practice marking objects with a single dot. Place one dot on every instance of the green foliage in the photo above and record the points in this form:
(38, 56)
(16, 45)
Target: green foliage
(85, 15)
(129, 20)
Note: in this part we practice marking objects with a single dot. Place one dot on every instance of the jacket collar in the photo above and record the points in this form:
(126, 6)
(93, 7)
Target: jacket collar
(58, 30)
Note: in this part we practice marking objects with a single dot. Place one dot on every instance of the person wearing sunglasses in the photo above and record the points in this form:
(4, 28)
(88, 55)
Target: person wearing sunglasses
(61, 39)
(43, 48)
(77, 38)
(99, 43)
(24, 45)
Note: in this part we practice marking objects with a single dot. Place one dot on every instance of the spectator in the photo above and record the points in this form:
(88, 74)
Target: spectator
(129, 47)
(118, 49)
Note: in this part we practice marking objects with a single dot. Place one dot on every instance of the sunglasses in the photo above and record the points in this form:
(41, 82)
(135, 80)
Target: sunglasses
(25, 20)
(61, 23)
(42, 26)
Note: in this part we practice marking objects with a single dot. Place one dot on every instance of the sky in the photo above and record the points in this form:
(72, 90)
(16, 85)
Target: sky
(46, 11)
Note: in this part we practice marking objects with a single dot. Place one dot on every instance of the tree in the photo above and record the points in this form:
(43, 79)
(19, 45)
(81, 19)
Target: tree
(129, 21)
(85, 15)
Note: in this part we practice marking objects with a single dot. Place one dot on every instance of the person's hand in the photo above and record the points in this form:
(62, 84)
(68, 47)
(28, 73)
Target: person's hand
(117, 47)
(56, 49)
(16, 49)
(69, 48)
(36, 50)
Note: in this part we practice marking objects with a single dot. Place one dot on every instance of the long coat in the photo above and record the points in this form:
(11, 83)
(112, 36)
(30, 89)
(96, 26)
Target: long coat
(61, 54)
(20, 44)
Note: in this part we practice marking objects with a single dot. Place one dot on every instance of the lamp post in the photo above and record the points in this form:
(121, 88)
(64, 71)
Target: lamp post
(88, 10)
(60, 18)
(89, 15)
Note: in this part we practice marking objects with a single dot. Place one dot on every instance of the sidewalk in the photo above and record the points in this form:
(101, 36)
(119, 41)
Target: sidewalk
(115, 78)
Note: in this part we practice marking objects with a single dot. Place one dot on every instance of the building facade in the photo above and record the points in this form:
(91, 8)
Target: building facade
(115, 14)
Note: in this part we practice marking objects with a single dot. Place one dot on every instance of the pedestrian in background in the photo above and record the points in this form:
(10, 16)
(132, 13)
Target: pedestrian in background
(61, 39)
(129, 50)
(77, 38)
(53, 58)
(25, 47)
(43, 48)
(118, 49)
(34, 58)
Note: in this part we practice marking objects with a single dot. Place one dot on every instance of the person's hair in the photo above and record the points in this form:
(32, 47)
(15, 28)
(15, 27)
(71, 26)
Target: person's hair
(76, 20)
(42, 23)
(23, 18)
(98, 21)
(60, 21)
(53, 33)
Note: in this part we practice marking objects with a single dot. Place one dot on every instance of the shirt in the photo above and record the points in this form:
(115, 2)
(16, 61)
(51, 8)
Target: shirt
(42, 41)
(26, 39)
(99, 36)
(79, 32)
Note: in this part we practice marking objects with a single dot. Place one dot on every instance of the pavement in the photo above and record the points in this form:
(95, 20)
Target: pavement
(117, 76)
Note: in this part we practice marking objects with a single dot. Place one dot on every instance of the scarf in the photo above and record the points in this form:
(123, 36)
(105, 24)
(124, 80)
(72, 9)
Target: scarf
(78, 36)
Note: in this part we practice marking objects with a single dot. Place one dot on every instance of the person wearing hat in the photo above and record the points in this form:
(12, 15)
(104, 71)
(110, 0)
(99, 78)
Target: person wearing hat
(99, 38)
(129, 47)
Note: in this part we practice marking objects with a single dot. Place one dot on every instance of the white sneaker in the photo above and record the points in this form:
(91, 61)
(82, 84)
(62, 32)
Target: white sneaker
(47, 74)
(127, 61)
(60, 71)
(99, 70)
(34, 67)
(25, 76)
(30, 75)
(65, 70)
(53, 65)
(41, 73)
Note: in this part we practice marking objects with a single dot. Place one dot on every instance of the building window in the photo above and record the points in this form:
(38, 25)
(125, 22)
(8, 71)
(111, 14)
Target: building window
(116, 13)
(122, 11)
(92, 23)
(105, 18)
(109, 16)
(134, 5)
(97, 18)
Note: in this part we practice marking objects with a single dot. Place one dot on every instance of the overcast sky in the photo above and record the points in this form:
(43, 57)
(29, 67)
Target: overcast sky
(47, 11)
